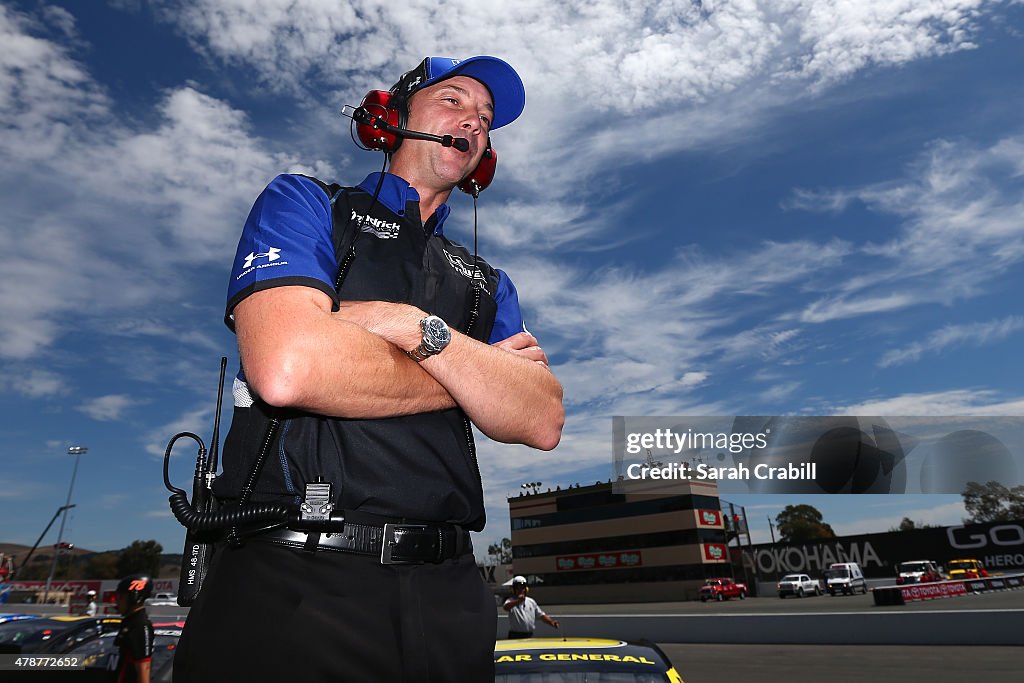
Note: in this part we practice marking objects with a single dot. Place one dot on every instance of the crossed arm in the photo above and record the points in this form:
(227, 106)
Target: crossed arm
(297, 353)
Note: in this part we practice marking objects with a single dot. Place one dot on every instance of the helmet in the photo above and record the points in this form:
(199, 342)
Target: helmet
(518, 581)
(135, 588)
(91, 594)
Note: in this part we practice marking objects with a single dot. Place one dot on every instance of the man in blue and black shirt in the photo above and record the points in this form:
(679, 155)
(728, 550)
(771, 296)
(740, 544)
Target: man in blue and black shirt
(369, 343)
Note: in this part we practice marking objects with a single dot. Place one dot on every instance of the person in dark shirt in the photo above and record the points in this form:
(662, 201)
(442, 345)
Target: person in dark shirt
(135, 639)
(371, 345)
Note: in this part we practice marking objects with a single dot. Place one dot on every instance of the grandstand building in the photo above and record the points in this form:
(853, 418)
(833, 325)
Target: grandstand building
(627, 542)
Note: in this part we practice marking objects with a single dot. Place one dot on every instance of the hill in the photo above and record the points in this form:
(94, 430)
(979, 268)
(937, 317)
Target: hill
(78, 563)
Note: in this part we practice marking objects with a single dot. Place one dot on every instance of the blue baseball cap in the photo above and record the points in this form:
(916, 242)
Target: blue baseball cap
(501, 79)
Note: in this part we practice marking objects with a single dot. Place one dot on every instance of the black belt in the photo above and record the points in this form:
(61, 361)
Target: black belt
(393, 543)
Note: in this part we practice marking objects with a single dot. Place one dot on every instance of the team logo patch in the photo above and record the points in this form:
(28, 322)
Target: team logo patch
(465, 268)
(272, 254)
(378, 227)
(254, 261)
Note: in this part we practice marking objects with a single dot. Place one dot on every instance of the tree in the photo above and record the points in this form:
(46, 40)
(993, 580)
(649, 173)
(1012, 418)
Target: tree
(501, 552)
(799, 523)
(103, 566)
(141, 557)
(907, 524)
(993, 502)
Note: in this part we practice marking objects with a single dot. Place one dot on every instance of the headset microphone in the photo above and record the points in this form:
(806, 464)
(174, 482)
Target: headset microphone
(362, 116)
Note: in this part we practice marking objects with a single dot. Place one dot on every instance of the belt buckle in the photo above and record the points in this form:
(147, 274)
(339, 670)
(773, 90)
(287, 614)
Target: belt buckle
(387, 543)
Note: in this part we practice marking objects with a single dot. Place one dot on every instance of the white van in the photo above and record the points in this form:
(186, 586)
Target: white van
(846, 578)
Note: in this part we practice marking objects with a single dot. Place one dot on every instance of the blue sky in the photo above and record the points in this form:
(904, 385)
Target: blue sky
(709, 208)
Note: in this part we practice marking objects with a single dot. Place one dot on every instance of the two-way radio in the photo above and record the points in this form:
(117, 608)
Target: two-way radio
(202, 519)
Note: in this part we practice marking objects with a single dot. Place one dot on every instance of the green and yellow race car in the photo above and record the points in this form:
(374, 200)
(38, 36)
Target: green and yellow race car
(581, 660)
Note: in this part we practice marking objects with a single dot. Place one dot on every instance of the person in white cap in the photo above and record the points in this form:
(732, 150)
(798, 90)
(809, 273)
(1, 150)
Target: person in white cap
(91, 608)
(523, 611)
(371, 344)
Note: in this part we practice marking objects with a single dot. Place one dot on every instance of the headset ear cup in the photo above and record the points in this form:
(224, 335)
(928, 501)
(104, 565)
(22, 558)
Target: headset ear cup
(381, 103)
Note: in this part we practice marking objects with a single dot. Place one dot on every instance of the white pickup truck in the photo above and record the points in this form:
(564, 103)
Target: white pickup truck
(162, 600)
(798, 585)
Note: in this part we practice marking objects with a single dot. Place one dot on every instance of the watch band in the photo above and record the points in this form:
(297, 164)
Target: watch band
(419, 354)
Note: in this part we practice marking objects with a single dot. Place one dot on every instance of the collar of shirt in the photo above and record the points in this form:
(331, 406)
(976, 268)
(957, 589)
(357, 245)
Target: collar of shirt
(395, 192)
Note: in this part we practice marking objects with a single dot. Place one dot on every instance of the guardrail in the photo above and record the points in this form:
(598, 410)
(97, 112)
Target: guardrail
(901, 595)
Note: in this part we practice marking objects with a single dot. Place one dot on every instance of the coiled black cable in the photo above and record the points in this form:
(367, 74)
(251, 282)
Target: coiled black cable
(229, 516)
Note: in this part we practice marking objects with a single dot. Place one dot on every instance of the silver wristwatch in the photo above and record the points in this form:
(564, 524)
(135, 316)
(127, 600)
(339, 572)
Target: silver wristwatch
(436, 337)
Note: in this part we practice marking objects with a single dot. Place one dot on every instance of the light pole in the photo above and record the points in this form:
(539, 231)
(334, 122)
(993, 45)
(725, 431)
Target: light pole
(76, 451)
(531, 486)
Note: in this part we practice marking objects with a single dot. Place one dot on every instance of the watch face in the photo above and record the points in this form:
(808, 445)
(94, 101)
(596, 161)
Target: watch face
(436, 334)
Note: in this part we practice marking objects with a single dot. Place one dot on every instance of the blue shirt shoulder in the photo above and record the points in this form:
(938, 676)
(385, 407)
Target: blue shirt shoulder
(286, 241)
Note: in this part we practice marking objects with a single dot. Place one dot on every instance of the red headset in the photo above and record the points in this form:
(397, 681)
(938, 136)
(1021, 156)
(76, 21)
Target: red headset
(393, 110)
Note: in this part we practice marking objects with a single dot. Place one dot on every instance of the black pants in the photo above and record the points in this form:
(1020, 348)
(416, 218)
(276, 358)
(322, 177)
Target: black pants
(267, 613)
(512, 635)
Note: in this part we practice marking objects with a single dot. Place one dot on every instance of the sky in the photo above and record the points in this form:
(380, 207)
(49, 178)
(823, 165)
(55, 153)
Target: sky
(748, 207)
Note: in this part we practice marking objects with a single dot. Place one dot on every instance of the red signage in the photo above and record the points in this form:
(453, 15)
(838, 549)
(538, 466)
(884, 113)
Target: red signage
(617, 560)
(715, 552)
(929, 591)
(709, 518)
(60, 586)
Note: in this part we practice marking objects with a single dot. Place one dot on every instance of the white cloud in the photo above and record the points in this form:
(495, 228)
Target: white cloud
(621, 81)
(194, 420)
(950, 336)
(835, 309)
(650, 335)
(186, 179)
(170, 195)
(679, 50)
(45, 96)
(963, 402)
(34, 382)
(108, 408)
(959, 205)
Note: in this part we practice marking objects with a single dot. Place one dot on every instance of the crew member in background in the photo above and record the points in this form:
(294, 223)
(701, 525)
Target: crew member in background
(523, 611)
(91, 608)
(135, 639)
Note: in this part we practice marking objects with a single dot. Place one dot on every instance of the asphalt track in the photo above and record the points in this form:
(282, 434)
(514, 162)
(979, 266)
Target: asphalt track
(756, 622)
(977, 620)
(845, 663)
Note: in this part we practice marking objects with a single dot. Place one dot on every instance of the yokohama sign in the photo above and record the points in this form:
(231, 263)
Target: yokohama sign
(999, 546)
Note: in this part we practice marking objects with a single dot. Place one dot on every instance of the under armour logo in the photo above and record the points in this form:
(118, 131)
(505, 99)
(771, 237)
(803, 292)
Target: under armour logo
(272, 255)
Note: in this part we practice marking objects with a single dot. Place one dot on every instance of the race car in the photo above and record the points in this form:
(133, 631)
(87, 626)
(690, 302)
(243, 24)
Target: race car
(52, 635)
(966, 569)
(917, 571)
(12, 616)
(577, 660)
